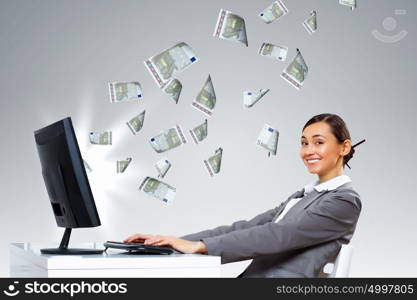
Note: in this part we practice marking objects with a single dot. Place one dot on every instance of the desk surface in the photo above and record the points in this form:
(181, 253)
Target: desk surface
(27, 261)
(110, 259)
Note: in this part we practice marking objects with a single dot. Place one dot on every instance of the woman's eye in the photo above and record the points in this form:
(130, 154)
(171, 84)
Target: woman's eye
(303, 143)
(319, 143)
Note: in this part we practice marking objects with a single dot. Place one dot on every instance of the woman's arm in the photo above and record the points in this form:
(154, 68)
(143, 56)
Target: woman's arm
(331, 219)
(243, 224)
(192, 243)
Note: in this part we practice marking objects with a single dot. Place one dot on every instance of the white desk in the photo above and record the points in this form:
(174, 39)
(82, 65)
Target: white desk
(27, 261)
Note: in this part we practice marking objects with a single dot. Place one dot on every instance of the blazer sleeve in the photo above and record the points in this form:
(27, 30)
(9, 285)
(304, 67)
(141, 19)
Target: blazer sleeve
(239, 225)
(332, 218)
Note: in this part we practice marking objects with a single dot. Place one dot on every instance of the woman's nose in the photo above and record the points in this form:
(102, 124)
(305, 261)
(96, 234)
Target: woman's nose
(310, 149)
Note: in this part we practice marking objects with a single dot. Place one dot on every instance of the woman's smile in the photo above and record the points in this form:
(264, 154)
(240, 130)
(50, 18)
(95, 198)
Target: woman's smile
(312, 161)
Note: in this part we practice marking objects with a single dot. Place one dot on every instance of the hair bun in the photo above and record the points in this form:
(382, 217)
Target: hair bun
(352, 151)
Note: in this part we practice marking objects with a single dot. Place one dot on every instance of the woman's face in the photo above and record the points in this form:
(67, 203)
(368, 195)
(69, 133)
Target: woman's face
(320, 150)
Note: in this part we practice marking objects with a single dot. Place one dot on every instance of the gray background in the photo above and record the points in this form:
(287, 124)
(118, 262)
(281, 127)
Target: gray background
(57, 57)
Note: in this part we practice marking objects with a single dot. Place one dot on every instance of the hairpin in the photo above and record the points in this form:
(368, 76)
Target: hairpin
(357, 144)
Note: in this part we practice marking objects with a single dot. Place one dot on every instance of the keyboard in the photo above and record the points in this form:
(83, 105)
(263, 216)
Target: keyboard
(138, 248)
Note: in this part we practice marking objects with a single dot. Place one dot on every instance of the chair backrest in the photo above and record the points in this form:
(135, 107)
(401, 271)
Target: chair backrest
(340, 267)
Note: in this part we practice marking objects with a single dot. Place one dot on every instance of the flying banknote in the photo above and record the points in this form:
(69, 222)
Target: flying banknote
(274, 51)
(168, 139)
(162, 166)
(173, 88)
(199, 133)
(350, 3)
(273, 12)
(87, 167)
(136, 123)
(230, 27)
(251, 97)
(101, 138)
(121, 165)
(125, 91)
(310, 24)
(214, 162)
(158, 189)
(169, 62)
(268, 139)
(296, 72)
(206, 98)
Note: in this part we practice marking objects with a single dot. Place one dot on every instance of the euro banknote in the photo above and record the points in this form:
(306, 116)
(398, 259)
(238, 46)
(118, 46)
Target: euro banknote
(274, 51)
(173, 89)
(101, 138)
(170, 62)
(268, 139)
(273, 12)
(125, 91)
(87, 167)
(136, 123)
(121, 165)
(350, 3)
(162, 166)
(206, 98)
(199, 133)
(213, 163)
(230, 27)
(296, 72)
(251, 97)
(158, 189)
(168, 139)
(310, 24)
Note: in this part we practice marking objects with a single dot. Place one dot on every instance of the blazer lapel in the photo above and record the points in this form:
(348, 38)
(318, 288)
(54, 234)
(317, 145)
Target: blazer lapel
(312, 198)
(297, 194)
(304, 203)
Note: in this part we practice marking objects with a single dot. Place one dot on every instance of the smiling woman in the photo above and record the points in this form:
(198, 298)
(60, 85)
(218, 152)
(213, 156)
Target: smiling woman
(326, 146)
(301, 235)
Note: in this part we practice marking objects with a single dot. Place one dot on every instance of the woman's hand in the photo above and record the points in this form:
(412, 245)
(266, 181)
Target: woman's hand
(181, 245)
(137, 238)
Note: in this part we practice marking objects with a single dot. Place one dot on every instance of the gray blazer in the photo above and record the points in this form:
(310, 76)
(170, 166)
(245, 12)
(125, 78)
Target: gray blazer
(299, 245)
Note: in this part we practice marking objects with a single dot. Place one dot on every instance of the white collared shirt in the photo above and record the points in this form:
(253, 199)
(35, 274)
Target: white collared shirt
(328, 185)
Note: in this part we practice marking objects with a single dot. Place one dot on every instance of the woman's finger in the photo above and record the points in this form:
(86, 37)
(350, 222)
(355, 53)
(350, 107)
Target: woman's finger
(156, 238)
(151, 241)
(130, 239)
(137, 237)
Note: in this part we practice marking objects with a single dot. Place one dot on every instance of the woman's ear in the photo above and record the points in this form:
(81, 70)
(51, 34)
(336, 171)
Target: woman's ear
(346, 147)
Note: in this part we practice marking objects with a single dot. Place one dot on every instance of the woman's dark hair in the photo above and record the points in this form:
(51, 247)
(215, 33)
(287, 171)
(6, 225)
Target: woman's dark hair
(339, 130)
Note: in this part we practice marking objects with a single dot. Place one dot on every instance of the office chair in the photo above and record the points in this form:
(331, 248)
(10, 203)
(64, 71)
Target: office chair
(337, 268)
(341, 265)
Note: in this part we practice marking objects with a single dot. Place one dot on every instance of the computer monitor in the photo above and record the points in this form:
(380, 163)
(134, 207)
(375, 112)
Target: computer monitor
(66, 183)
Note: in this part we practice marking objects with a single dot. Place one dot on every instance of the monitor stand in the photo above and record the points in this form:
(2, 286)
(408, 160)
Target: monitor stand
(64, 250)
